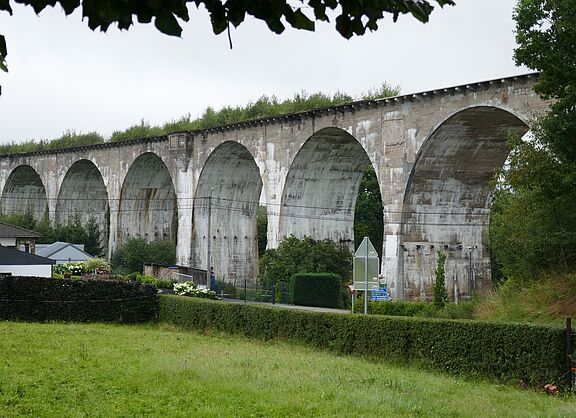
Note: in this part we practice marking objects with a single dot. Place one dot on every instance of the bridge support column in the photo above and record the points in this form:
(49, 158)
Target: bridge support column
(112, 239)
(392, 252)
(184, 201)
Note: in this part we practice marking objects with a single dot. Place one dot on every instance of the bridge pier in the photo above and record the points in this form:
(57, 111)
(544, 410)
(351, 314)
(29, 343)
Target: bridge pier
(434, 154)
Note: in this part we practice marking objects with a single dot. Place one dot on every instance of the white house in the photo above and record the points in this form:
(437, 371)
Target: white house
(63, 252)
(20, 263)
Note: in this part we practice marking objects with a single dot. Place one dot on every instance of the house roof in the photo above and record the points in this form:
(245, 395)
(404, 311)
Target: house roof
(13, 231)
(58, 246)
(12, 257)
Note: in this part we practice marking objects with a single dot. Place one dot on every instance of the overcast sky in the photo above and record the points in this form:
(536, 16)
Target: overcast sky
(65, 77)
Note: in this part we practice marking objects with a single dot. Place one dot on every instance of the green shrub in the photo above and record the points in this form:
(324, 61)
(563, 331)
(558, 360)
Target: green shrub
(439, 289)
(75, 268)
(463, 310)
(135, 252)
(49, 299)
(507, 352)
(226, 288)
(163, 284)
(190, 289)
(316, 289)
(295, 255)
(96, 264)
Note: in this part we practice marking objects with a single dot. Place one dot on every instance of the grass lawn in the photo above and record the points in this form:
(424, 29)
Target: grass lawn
(75, 370)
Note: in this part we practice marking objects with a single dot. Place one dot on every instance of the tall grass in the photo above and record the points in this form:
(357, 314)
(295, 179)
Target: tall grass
(549, 299)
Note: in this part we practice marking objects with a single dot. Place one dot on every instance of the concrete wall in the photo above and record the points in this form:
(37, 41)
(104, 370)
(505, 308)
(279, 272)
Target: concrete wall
(433, 153)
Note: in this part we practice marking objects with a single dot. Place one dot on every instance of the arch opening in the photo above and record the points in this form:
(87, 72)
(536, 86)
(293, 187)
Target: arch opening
(447, 202)
(227, 196)
(83, 196)
(23, 193)
(148, 206)
(322, 188)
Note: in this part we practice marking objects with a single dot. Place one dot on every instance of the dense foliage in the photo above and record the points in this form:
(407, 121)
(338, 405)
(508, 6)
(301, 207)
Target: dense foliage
(533, 218)
(369, 213)
(305, 255)
(131, 256)
(462, 310)
(168, 15)
(545, 33)
(439, 292)
(74, 232)
(49, 299)
(533, 221)
(508, 352)
(316, 289)
(190, 289)
(262, 229)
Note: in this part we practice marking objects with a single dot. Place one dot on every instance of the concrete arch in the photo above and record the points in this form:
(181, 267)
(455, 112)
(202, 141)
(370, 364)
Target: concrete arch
(84, 195)
(447, 201)
(228, 191)
(147, 206)
(322, 186)
(24, 192)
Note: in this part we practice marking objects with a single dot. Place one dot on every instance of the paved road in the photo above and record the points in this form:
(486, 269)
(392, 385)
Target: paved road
(296, 307)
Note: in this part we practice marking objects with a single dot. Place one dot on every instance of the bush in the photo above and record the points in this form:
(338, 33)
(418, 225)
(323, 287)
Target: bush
(135, 252)
(96, 264)
(463, 310)
(74, 268)
(439, 289)
(397, 308)
(163, 284)
(507, 352)
(227, 288)
(295, 255)
(48, 299)
(316, 289)
(190, 289)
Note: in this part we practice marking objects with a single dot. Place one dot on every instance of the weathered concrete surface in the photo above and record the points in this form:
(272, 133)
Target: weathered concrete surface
(434, 154)
(83, 196)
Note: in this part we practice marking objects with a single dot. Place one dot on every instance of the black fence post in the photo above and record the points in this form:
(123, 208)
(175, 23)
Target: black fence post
(245, 294)
(273, 293)
(569, 352)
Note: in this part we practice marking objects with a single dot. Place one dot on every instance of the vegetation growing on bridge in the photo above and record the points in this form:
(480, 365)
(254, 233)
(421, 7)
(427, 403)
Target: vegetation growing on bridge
(263, 107)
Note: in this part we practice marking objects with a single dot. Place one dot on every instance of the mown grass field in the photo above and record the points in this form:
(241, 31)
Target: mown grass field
(76, 370)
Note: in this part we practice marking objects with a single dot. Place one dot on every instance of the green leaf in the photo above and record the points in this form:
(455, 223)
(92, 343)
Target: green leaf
(5, 6)
(167, 23)
(69, 5)
(299, 20)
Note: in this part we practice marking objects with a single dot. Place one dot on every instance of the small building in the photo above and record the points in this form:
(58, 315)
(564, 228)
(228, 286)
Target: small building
(12, 236)
(176, 273)
(63, 252)
(20, 263)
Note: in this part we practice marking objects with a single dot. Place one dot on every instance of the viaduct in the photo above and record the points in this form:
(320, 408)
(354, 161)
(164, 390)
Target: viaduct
(435, 154)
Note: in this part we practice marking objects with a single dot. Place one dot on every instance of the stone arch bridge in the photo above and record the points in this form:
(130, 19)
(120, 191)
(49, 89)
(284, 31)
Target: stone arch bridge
(434, 153)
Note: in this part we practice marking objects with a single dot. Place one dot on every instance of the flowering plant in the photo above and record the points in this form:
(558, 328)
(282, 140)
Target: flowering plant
(75, 269)
(190, 289)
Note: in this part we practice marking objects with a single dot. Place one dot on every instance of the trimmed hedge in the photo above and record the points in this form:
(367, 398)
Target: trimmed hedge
(463, 310)
(507, 352)
(48, 299)
(315, 289)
